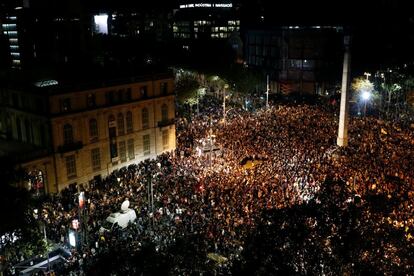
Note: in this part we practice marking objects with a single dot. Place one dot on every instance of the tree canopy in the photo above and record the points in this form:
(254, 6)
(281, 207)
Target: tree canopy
(186, 88)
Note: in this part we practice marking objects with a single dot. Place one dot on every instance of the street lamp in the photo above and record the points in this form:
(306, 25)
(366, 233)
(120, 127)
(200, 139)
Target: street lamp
(211, 141)
(365, 97)
(224, 103)
(267, 91)
(43, 224)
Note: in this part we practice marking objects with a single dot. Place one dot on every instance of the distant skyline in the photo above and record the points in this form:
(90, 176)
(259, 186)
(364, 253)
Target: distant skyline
(383, 29)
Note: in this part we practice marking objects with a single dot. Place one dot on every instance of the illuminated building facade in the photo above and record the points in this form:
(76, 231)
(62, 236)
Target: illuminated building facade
(87, 132)
(9, 28)
(206, 20)
(297, 59)
(207, 31)
(35, 38)
(146, 23)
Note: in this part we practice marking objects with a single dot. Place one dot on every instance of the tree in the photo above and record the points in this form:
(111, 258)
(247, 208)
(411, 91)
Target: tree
(244, 80)
(360, 85)
(391, 89)
(186, 88)
(18, 228)
(364, 92)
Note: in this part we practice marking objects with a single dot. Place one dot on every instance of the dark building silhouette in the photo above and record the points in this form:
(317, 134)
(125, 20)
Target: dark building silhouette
(296, 58)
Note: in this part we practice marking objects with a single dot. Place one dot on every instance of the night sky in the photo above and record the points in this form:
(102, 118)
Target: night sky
(383, 30)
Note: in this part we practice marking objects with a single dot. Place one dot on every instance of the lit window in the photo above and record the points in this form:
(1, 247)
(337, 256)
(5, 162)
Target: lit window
(71, 166)
(145, 118)
(67, 134)
(129, 125)
(121, 126)
(96, 159)
(93, 129)
(131, 149)
(146, 144)
(165, 140)
(122, 151)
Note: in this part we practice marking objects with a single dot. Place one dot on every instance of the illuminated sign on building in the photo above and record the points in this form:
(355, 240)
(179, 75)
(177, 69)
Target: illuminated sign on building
(206, 5)
(101, 23)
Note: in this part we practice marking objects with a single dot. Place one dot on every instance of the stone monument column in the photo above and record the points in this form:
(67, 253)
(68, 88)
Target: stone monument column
(342, 139)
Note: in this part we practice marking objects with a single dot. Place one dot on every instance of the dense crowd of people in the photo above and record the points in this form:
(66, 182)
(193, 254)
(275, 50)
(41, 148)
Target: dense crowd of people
(292, 151)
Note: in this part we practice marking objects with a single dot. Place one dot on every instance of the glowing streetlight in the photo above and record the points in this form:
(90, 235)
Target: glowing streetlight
(365, 95)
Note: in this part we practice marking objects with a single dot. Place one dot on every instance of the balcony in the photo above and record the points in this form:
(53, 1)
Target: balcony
(70, 147)
(167, 122)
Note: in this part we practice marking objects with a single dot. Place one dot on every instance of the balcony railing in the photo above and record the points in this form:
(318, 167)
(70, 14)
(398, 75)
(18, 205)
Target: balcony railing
(70, 147)
(165, 123)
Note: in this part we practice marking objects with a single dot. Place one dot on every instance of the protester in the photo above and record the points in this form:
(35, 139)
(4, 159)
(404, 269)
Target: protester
(293, 152)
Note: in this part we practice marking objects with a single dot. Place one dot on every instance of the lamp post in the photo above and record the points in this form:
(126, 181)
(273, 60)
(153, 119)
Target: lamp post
(267, 92)
(211, 143)
(365, 97)
(43, 225)
(224, 103)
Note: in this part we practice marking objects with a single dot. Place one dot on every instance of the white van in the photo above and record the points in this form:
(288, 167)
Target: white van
(122, 219)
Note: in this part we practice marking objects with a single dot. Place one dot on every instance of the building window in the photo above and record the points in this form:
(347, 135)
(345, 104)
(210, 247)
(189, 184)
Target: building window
(164, 88)
(120, 96)
(143, 91)
(28, 129)
(129, 124)
(128, 94)
(122, 151)
(110, 97)
(113, 148)
(71, 166)
(93, 129)
(165, 139)
(65, 105)
(131, 149)
(164, 112)
(96, 159)
(147, 144)
(19, 129)
(145, 118)
(91, 100)
(121, 126)
(67, 134)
